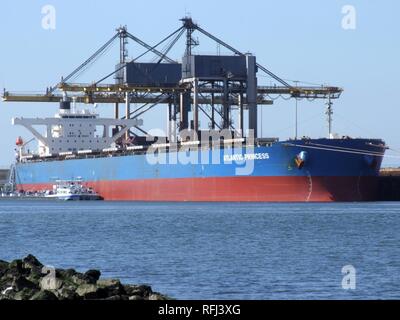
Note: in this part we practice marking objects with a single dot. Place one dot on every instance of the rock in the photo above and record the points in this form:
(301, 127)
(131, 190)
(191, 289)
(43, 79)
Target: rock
(25, 294)
(34, 277)
(70, 278)
(19, 283)
(8, 294)
(24, 280)
(66, 293)
(91, 292)
(113, 287)
(6, 281)
(136, 297)
(44, 295)
(3, 267)
(117, 298)
(157, 296)
(16, 268)
(78, 279)
(30, 262)
(68, 273)
(69, 286)
(3, 270)
(108, 282)
(139, 290)
(85, 289)
(92, 276)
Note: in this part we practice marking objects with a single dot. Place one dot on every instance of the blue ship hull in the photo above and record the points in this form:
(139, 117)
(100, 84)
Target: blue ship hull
(301, 170)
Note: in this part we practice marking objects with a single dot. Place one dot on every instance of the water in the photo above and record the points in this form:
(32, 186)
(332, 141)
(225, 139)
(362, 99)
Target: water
(216, 251)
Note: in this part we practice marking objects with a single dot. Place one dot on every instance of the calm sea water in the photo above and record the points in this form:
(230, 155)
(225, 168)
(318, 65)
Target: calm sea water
(216, 251)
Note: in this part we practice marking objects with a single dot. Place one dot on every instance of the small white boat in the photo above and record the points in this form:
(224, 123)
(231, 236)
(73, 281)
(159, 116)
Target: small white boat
(72, 190)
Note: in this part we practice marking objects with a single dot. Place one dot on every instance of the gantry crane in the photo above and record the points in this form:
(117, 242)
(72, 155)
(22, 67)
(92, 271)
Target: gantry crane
(208, 93)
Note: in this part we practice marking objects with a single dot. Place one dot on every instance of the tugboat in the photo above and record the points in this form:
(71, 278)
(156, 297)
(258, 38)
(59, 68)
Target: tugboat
(72, 190)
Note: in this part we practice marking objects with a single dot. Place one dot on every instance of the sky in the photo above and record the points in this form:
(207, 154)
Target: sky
(297, 40)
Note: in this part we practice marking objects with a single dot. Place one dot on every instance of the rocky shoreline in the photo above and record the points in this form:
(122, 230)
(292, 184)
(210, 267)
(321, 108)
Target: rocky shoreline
(29, 279)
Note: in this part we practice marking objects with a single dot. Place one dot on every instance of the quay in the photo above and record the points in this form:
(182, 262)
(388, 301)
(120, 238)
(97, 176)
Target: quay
(389, 184)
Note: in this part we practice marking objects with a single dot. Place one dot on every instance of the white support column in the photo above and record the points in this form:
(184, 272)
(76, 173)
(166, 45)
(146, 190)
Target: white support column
(169, 121)
(196, 105)
(127, 112)
(240, 114)
(251, 94)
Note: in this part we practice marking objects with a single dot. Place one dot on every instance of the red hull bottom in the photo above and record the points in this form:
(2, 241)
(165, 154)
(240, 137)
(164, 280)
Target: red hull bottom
(235, 189)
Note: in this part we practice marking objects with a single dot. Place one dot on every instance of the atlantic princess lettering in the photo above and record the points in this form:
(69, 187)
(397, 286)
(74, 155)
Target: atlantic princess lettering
(246, 157)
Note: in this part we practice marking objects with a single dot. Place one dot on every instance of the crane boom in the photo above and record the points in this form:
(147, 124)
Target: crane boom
(114, 93)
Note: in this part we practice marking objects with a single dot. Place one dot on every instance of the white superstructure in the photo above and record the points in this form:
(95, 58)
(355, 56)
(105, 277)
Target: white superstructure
(75, 130)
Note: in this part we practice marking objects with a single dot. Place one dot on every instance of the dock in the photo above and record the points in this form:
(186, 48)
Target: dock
(389, 184)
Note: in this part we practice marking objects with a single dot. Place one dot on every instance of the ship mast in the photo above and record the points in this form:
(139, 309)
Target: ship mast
(329, 113)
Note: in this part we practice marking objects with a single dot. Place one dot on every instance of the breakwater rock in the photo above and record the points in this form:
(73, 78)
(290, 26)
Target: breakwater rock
(29, 279)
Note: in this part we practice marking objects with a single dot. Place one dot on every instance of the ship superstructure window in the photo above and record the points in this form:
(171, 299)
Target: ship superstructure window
(57, 131)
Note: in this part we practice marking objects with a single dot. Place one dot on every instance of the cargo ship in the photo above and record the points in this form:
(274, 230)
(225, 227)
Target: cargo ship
(225, 162)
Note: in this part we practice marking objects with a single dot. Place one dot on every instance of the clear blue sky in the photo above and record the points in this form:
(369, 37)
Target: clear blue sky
(298, 40)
